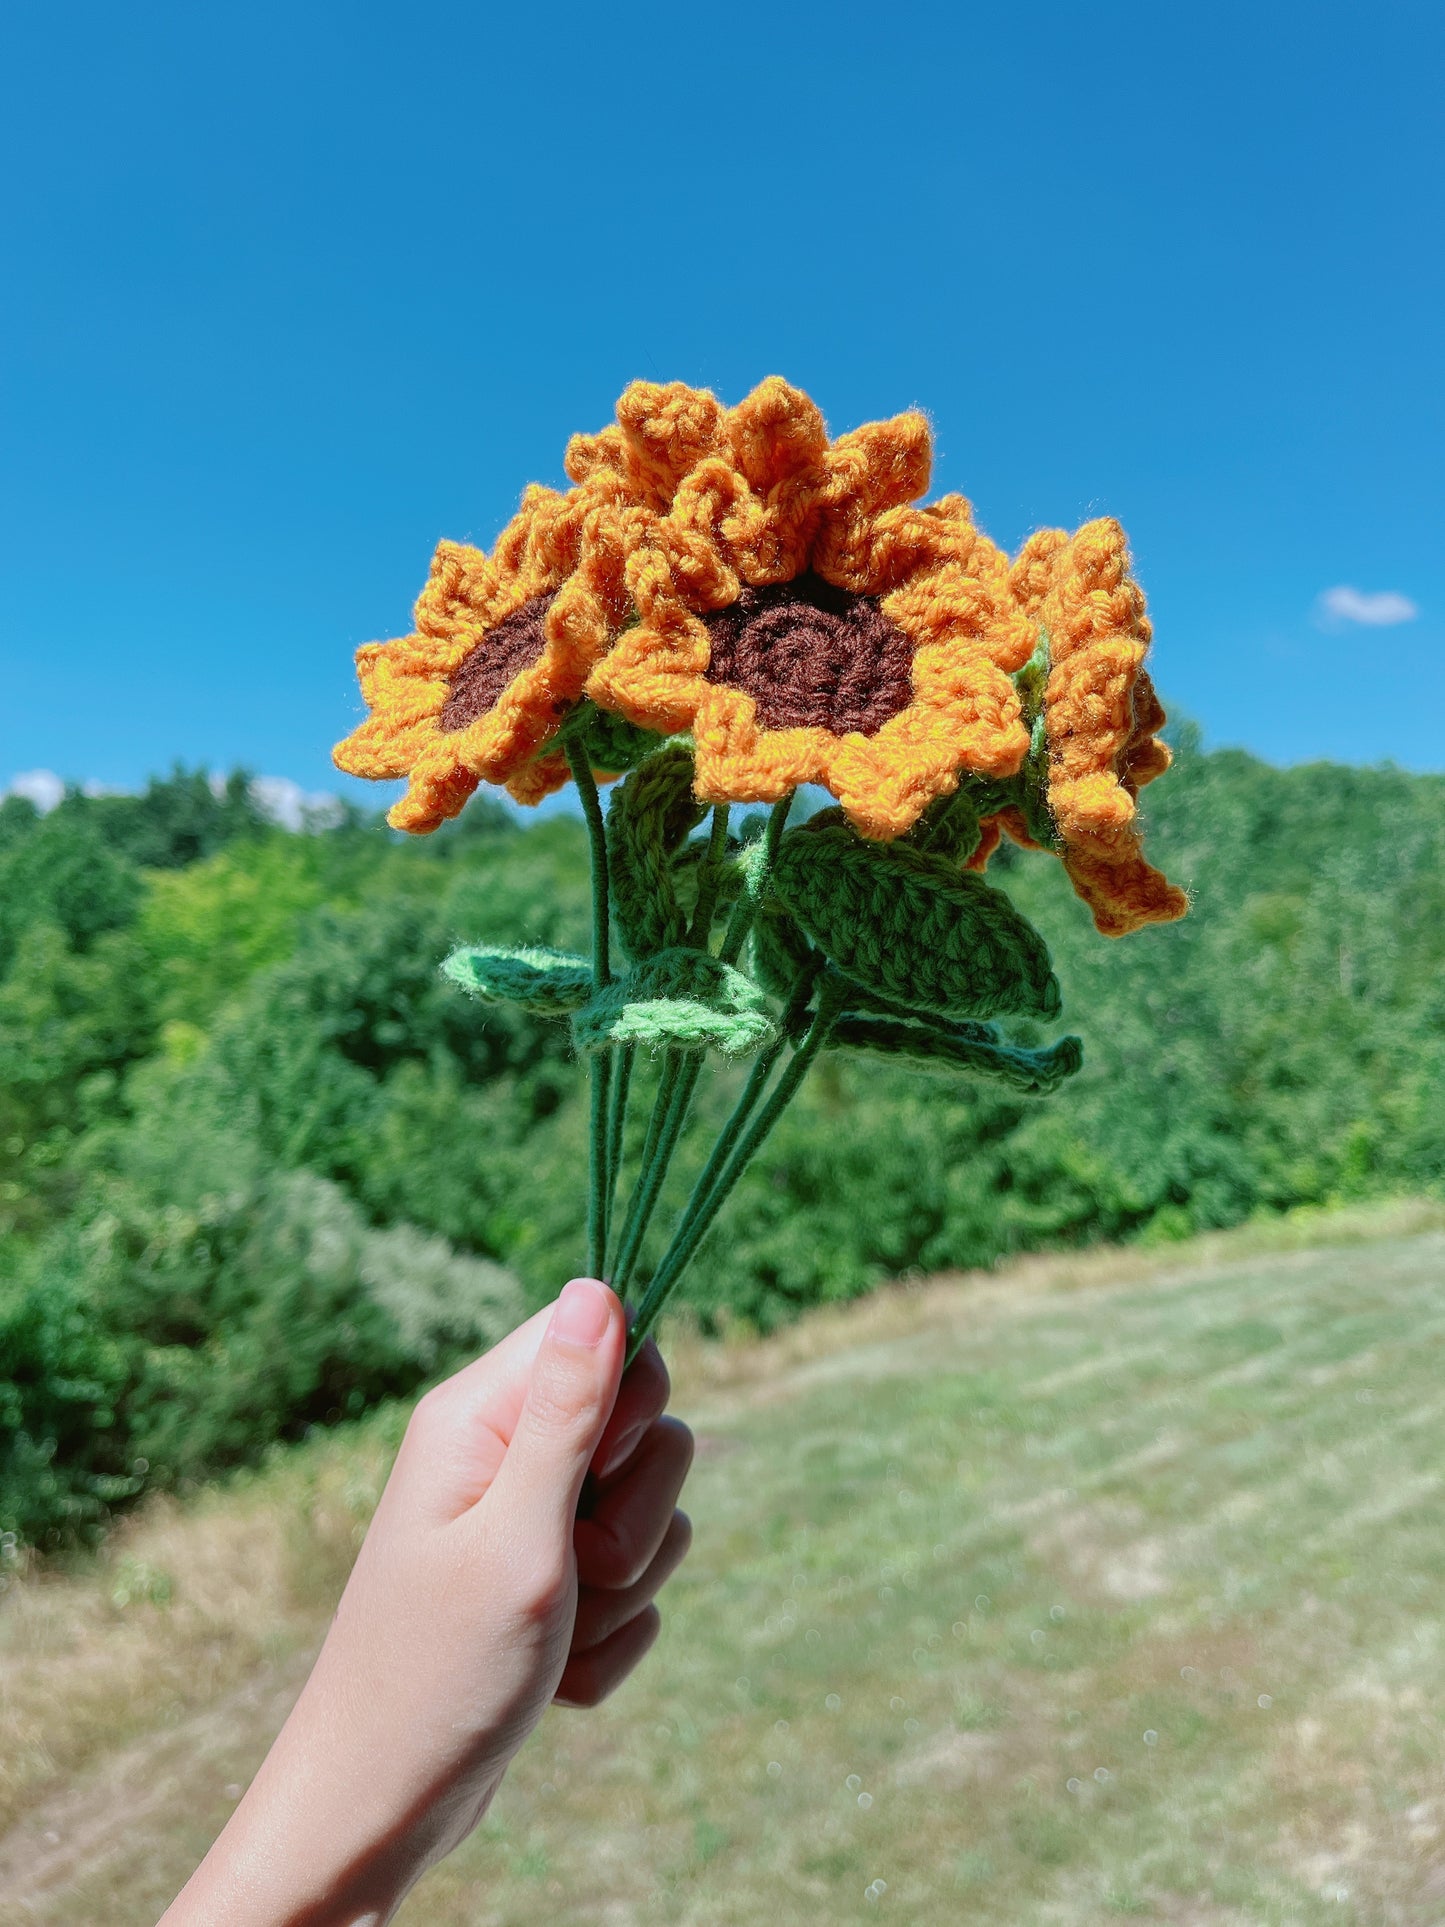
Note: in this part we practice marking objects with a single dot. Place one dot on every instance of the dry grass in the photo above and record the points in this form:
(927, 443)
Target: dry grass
(1105, 1587)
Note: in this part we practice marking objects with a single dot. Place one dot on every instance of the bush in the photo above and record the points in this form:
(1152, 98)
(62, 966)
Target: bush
(152, 1345)
(260, 1165)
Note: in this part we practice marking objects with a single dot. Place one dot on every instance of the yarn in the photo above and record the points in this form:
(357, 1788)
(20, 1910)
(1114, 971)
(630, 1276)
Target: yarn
(549, 983)
(932, 1047)
(952, 827)
(755, 497)
(612, 743)
(779, 948)
(913, 928)
(498, 658)
(784, 598)
(812, 654)
(1100, 717)
(787, 604)
(448, 726)
(650, 815)
(541, 777)
(683, 998)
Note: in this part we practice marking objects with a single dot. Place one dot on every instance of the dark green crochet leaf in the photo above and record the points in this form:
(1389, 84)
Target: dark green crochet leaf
(949, 828)
(940, 1047)
(650, 815)
(780, 950)
(860, 998)
(687, 869)
(612, 743)
(683, 998)
(548, 982)
(912, 928)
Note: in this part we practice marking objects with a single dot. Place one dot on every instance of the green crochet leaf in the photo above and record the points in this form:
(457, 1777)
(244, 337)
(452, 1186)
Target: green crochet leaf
(612, 743)
(949, 828)
(860, 998)
(779, 948)
(549, 983)
(912, 928)
(649, 817)
(940, 1047)
(683, 998)
(687, 871)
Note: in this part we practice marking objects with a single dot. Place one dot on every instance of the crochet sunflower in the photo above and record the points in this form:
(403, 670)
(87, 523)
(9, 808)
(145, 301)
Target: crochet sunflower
(501, 650)
(730, 606)
(1094, 719)
(798, 615)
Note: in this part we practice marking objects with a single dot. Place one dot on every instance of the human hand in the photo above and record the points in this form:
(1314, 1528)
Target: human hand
(478, 1596)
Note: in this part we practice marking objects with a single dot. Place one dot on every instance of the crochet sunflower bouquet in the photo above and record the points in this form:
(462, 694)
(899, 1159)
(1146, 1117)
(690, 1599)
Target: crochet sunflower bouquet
(724, 608)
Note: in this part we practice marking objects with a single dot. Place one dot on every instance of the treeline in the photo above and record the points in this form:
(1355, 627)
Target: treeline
(259, 1165)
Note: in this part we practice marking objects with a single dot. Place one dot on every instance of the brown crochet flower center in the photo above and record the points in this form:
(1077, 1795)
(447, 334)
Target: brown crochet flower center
(499, 658)
(812, 656)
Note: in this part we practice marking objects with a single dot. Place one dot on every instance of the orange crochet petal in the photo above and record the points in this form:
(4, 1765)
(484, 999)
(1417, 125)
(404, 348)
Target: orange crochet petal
(732, 572)
(989, 836)
(438, 789)
(777, 436)
(502, 647)
(1124, 894)
(1098, 635)
(1101, 713)
(540, 778)
(876, 469)
(1032, 574)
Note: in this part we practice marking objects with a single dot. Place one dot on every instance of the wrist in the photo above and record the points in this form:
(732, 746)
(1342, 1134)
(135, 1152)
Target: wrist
(316, 1841)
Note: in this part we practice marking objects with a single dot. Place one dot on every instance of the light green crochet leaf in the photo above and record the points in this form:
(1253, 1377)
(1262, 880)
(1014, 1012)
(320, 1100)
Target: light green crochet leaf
(648, 818)
(550, 983)
(683, 998)
(912, 928)
(939, 1047)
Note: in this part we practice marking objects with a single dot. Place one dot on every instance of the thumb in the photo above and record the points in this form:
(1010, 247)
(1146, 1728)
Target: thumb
(570, 1395)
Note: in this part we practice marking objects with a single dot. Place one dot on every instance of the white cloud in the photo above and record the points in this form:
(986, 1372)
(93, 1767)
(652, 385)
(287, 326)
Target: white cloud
(42, 786)
(294, 808)
(278, 797)
(1376, 609)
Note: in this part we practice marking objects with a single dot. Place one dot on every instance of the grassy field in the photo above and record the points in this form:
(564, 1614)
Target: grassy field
(1096, 1590)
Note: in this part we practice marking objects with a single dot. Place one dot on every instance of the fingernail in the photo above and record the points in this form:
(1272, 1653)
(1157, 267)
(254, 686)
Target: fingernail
(583, 1314)
(622, 1449)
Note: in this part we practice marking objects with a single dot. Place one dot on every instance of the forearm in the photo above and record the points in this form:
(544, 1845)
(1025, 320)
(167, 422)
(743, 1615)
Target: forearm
(325, 1836)
(478, 1596)
(294, 1854)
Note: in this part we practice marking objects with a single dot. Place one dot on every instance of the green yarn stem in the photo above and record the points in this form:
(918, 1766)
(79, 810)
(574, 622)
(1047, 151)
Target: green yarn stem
(755, 887)
(752, 1091)
(679, 1080)
(625, 1056)
(662, 1097)
(599, 1176)
(710, 879)
(737, 1143)
(674, 1099)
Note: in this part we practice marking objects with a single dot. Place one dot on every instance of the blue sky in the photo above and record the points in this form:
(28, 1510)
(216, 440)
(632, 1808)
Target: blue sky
(292, 291)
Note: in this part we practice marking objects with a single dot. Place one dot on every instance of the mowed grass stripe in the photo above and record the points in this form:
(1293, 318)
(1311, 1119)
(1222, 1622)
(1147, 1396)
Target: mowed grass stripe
(1071, 1606)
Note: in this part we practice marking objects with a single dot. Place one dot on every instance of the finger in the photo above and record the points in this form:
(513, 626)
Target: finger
(600, 1612)
(642, 1398)
(619, 1540)
(588, 1678)
(458, 1433)
(497, 1381)
(570, 1396)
